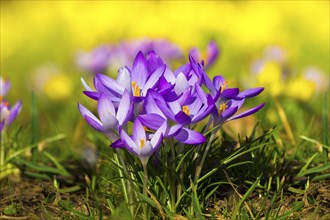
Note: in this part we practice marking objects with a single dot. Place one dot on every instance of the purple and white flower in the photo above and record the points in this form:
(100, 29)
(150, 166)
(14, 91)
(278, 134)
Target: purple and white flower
(7, 113)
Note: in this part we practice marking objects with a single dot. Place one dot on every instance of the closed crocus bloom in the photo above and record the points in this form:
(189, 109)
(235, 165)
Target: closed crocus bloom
(4, 87)
(209, 57)
(7, 113)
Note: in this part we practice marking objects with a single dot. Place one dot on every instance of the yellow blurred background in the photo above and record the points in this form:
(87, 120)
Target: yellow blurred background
(39, 34)
(44, 30)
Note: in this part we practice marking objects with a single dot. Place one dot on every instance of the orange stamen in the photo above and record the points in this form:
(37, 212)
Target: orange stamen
(136, 89)
(142, 143)
(222, 108)
(186, 110)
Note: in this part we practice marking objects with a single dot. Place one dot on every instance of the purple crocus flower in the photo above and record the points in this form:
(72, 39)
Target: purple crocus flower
(143, 143)
(4, 87)
(212, 54)
(137, 81)
(7, 113)
(111, 119)
(95, 61)
(161, 103)
(227, 101)
(189, 111)
(117, 55)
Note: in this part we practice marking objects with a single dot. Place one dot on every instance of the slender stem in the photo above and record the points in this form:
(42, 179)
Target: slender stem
(200, 165)
(34, 124)
(126, 187)
(198, 148)
(181, 147)
(145, 186)
(2, 151)
(171, 182)
(325, 125)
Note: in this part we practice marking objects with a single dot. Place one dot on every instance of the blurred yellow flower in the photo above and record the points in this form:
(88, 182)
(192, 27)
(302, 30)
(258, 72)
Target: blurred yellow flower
(51, 81)
(300, 88)
(270, 77)
(58, 87)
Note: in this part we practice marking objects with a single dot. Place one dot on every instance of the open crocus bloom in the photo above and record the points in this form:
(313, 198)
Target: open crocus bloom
(110, 117)
(143, 143)
(161, 103)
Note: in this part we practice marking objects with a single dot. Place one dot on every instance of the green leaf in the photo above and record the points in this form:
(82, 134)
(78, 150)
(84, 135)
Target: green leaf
(240, 203)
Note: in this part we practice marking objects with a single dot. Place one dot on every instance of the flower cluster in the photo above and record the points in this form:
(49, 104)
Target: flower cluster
(161, 103)
(117, 55)
(7, 113)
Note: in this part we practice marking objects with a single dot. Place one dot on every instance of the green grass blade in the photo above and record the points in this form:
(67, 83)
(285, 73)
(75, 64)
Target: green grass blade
(244, 197)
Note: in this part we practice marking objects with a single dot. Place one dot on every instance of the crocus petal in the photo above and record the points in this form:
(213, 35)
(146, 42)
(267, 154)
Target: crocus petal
(83, 82)
(14, 112)
(4, 86)
(194, 52)
(182, 118)
(90, 118)
(123, 109)
(195, 107)
(202, 114)
(124, 78)
(219, 81)
(250, 92)
(188, 136)
(99, 86)
(127, 140)
(92, 95)
(194, 66)
(212, 54)
(248, 112)
(174, 106)
(165, 90)
(228, 113)
(138, 131)
(236, 103)
(105, 106)
(107, 112)
(153, 79)
(208, 83)
(173, 131)
(111, 84)
(146, 150)
(181, 84)
(153, 61)
(201, 94)
(169, 76)
(152, 121)
(229, 93)
(151, 106)
(139, 70)
(182, 69)
(162, 105)
(158, 136)
(118, 144)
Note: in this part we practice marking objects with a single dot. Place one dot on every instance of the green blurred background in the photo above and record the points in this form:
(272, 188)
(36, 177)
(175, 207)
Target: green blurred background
(39, 37)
